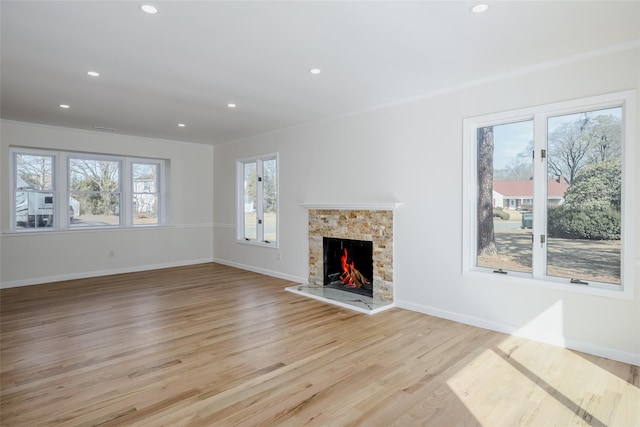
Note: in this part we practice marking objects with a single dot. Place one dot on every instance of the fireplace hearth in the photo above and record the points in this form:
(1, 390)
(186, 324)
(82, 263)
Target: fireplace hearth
(348, 265)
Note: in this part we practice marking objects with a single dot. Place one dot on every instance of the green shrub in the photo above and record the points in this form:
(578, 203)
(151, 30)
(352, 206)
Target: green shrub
(501, 213)
(584, 222)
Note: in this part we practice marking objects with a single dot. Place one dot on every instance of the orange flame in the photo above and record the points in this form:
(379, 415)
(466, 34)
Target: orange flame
(347, 269)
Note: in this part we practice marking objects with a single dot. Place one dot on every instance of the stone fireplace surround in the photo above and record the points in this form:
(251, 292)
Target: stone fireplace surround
(367, 221)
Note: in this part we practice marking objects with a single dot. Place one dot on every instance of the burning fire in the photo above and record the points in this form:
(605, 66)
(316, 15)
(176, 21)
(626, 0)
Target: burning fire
(350, 276)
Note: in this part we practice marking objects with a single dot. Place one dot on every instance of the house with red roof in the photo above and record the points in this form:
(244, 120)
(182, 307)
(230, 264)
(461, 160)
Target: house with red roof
(519, 194)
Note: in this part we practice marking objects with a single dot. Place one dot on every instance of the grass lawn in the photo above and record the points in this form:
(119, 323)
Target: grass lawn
(570, 258)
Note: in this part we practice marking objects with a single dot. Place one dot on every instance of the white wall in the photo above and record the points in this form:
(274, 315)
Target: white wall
(412, 153)
(29, 258)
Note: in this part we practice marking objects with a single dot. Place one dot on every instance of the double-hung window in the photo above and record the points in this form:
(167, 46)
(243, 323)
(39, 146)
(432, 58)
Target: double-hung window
(95, 184)
(34, 188)
(146, 196)
(257, 206)
(548, 194)
(68, 190)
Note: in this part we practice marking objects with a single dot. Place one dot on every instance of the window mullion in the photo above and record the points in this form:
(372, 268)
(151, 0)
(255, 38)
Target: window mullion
(539, 196)
(61, 191)
(260, 200)
(126, 193)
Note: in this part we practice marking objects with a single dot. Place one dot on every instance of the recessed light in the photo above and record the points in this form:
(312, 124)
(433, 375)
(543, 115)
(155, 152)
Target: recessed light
(93, 73)
(315, 71)
(65, 106)
(181, 125)
(479, 8)
(231, 105)
(149, 8)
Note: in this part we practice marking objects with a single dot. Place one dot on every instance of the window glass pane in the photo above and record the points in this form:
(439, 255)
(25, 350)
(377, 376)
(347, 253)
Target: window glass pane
(145, 193)
(584, 195)
(95, 184)
(34, 207)
(34, 172)
(250, 201)
(97, 209)
(505, 195)
(270, 201)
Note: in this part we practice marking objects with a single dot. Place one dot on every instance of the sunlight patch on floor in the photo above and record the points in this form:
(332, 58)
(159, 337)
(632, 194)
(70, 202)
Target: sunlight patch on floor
(515, 384)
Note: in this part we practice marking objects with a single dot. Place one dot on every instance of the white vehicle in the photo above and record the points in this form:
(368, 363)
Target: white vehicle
(35, 208)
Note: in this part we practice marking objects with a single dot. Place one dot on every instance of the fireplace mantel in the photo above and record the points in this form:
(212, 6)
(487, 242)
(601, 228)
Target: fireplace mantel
(353, 206)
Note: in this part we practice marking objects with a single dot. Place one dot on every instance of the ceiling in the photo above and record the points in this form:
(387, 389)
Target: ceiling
(188, 61)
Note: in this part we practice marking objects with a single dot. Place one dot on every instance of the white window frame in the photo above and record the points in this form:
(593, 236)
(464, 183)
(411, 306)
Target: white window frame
(539, 115)
(62, 189)
(159, 190)
(55, 171)
(121, 167)
(240, 214)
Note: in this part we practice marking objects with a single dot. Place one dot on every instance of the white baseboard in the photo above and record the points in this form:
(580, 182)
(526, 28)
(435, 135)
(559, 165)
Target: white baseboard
(87, 274)
(264, 271)
(559, 341)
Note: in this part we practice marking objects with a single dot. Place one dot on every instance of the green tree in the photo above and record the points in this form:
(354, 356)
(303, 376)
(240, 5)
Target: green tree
(96, 184)
(598, 185)
(592, 204)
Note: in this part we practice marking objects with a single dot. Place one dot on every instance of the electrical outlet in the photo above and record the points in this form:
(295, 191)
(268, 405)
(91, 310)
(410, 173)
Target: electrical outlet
(278, 256)
(112, 254)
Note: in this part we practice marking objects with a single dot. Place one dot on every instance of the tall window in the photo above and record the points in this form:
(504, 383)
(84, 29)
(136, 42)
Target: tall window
(63, 190)
(547, 193)
(258, 200)
(146, 192)
(34, 190)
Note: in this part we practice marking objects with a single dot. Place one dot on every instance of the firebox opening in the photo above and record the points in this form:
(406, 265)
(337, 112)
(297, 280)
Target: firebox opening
(348, 265)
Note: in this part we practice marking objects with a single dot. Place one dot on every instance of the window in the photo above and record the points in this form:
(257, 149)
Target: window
(258, 200)
(34, 189)
(64, 190)
(146, 195)
(545, 193)
(95, 185)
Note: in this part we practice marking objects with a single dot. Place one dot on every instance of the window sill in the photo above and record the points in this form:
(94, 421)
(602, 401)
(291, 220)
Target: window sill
(611, 291)
(106, 228)
(273, 245)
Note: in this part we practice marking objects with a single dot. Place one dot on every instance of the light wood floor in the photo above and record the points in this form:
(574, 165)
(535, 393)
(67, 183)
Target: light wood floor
(211, 345)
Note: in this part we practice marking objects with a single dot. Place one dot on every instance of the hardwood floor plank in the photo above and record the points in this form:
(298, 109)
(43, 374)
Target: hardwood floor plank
(213, 345)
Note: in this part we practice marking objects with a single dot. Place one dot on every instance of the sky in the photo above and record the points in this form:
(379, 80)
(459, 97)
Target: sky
(512, 139)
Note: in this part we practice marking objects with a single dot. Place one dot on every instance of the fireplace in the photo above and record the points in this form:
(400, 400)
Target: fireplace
(365, 222)
(348, 265)
(350, 249)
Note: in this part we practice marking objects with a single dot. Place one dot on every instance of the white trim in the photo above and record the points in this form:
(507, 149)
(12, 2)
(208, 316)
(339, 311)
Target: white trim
(110, 229)
(98, 273)
(353, 206)
(222, 225)
(556, 340)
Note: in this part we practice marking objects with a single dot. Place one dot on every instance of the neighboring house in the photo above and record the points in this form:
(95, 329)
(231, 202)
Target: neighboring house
(519, 194)
(145, 195)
